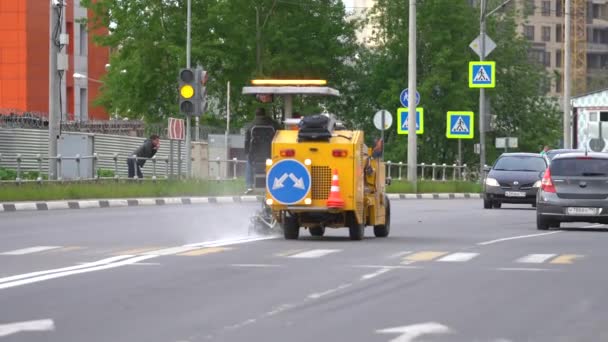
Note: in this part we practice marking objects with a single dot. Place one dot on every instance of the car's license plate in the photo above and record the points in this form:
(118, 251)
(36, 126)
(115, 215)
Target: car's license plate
(581, 211)
(515, 194)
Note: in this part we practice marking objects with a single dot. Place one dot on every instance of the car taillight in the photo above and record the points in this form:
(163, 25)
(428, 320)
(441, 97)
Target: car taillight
(339, 153)
(547, 182)
(288, 153)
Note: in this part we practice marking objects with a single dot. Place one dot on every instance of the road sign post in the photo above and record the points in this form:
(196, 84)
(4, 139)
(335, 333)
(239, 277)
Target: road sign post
(383, 120)
(460, 125)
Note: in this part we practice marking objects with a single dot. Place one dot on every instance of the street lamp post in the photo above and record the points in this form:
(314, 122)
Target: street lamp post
(482, 95)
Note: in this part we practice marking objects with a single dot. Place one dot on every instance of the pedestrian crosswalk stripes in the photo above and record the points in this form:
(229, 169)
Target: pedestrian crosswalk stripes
(314, 253)
(403, 257)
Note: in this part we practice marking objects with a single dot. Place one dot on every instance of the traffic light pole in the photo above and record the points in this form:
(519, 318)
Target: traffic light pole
(188, 117)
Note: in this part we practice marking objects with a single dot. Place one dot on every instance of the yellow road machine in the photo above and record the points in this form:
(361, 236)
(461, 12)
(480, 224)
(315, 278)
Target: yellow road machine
(319, 174)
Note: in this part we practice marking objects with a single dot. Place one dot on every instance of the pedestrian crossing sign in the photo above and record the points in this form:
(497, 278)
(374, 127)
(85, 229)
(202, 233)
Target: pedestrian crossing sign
(402, 119)
(460, 125)
(482, 74)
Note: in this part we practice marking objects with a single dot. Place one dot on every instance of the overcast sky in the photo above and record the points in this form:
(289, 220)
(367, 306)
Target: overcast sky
(348, 3)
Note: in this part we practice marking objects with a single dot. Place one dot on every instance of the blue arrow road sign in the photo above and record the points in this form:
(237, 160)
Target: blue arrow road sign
(288, 181)
(404, 98)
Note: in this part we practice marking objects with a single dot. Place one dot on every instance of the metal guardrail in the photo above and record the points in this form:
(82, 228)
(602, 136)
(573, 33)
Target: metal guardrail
(78, 159)
(395, 170)
(433, 172)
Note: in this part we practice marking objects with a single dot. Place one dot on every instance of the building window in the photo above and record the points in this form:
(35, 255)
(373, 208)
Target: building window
(558, 58)
(558, 84)
(546, 8)
(529, 32)
(546, 33)
(83, 104)
(558, 8)
(530, 6)
(547, 59)
(559, 36)
(83, 40)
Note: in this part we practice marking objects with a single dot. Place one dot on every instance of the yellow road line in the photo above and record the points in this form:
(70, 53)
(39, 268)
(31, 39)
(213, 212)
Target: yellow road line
(424, 256)
(204, 251)
(136, 251)
(565, 259)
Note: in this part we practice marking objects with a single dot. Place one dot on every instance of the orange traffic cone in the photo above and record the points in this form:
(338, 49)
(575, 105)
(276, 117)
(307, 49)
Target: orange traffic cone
(335, 199)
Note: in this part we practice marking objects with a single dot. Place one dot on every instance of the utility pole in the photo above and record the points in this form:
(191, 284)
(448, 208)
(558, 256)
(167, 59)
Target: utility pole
(482, 93)
(188, 116)
(412, 162)
(567, 73)
(54, 85)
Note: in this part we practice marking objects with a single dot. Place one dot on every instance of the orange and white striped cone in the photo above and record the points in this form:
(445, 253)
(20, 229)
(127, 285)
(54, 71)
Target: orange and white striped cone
(335, 200)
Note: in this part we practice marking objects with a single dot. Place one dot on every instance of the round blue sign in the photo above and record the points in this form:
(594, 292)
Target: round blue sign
(288, 181)
(404, 98)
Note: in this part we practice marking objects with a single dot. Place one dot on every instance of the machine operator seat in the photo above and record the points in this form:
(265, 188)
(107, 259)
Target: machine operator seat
(260, 149)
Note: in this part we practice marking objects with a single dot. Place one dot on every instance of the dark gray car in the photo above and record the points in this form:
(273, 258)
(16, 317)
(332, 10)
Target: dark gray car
(514, 178)
(574, 189)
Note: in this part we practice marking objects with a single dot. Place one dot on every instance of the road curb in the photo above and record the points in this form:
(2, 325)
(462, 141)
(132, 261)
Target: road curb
(146, 202)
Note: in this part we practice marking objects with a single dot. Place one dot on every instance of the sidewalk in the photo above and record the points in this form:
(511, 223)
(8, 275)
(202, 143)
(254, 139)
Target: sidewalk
(140, 202)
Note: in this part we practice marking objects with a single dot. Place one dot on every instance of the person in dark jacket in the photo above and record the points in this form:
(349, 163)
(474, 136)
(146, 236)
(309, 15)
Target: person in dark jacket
(261, 119)
(147, 150)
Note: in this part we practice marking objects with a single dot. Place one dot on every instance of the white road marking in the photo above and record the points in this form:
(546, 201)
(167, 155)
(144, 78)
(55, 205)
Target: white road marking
(535, 258)
(411, 332)
(220, 243)
(39, 325)
(256, 265)
(78, 271)
(458, 257)
(530, 269)
(405, 267)
(328, 292)
(375, 274)
(146, 201)
(315, 253)
(118, 203)
(170, 251)
(399, 255)
(30, 250)
(199, 200)
(64, 269)
(515, 238)
(88, 204)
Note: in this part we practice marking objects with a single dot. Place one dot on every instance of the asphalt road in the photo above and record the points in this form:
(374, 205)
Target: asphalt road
(450, 271)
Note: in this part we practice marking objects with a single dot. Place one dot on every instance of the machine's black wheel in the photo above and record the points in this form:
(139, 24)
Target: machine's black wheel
(496, 205)
(291, 227)
(356, 230)
(555, 224)
(317, 231)
(382, 230)
(487, 204)
(542, 223)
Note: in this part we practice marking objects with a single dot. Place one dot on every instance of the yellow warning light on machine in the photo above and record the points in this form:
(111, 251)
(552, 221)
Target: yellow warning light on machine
(289, 82)
(186, 91)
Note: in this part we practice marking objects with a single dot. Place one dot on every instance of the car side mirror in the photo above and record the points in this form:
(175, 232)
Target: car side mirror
(486, 169)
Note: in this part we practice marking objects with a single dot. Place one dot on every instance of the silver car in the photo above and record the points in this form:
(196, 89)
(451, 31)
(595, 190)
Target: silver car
(573, 189)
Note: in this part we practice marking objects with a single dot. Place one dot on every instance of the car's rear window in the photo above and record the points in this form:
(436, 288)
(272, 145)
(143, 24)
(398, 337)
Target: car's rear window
(520, 163)
(579, 167)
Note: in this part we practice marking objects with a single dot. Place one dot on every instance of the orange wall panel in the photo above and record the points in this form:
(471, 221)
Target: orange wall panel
(37, 51)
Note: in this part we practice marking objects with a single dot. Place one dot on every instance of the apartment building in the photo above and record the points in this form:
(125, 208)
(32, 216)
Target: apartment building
(24, 61)
(544, 28)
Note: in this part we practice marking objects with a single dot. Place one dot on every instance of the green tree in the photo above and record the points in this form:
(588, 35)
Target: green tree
(309, 38)
(444, 31)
